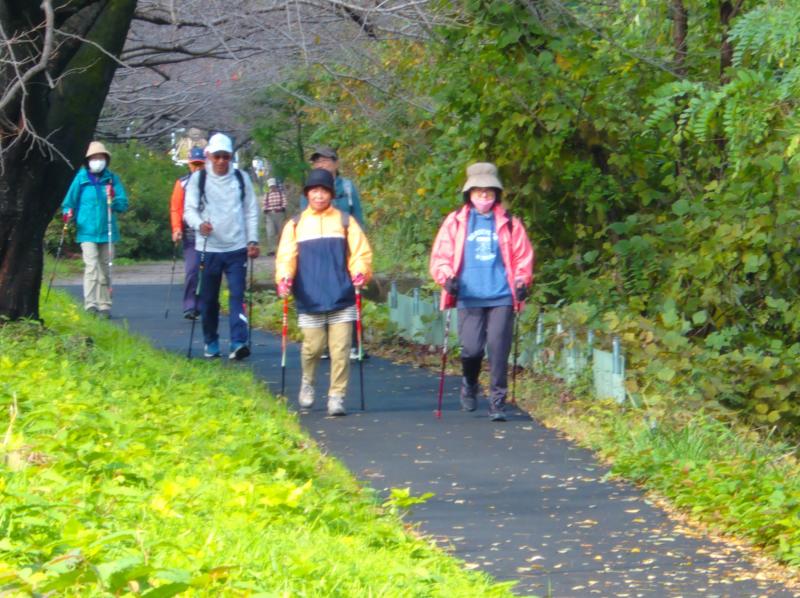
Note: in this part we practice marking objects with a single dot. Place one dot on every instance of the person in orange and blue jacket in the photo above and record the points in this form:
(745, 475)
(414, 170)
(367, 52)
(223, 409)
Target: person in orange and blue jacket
(87, 201)
(182, 232)
(323, 256)
(483, 259)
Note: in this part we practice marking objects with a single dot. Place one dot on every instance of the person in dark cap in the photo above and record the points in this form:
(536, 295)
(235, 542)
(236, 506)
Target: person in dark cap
(323, 256)
(345, 199)
(182, 232)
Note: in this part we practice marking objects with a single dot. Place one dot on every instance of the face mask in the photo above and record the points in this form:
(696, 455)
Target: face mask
(481, 204)
(96, 166)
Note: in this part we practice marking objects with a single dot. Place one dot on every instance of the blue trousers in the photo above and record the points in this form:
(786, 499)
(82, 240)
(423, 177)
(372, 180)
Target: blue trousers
(234, 265)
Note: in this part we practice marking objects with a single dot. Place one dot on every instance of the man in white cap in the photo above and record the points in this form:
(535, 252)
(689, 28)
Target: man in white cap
(222, 207)
(274, 211)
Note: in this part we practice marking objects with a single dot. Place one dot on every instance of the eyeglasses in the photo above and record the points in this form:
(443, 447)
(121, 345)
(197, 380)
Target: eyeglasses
(220, 157)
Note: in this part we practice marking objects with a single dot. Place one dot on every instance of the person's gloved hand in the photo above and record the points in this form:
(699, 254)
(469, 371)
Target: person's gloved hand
(451, 286)
(359, 280)
(284, 287)
(67, 216)
(521, 291)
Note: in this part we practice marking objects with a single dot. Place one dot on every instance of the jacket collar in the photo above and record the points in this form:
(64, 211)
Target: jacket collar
(501, 216)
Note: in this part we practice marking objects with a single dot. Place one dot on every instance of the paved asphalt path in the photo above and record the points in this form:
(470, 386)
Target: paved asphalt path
(513, 499)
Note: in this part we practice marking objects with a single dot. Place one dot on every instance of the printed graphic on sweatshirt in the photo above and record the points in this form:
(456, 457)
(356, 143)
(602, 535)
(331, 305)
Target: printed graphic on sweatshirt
(484, 242)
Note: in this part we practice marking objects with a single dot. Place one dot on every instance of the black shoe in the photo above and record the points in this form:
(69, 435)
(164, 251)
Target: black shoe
(91, 311)
(239, 351)
(105, 314)
(191, 314)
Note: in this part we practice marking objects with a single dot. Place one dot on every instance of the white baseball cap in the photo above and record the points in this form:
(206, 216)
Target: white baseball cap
(219, 143)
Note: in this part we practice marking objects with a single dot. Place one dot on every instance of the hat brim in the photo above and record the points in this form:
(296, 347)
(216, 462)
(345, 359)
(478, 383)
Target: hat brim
(482, 181)
(317, 155)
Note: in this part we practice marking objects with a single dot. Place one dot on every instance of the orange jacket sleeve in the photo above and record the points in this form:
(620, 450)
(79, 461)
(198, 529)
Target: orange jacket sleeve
(176, 207)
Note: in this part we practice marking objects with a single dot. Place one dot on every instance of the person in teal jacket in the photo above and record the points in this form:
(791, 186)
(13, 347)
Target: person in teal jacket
(87, 202)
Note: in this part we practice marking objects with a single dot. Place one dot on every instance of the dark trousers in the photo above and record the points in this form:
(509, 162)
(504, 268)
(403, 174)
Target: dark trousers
(234, 265)
(480, 328)
(191, 263)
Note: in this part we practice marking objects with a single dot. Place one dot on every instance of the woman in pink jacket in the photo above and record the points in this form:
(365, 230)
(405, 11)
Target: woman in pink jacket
(483, 259)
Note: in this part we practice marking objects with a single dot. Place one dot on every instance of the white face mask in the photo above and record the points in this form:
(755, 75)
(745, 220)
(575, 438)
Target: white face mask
(97, 166)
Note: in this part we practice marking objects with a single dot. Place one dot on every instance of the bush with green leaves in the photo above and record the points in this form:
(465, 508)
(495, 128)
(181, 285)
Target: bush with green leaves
(661, 194)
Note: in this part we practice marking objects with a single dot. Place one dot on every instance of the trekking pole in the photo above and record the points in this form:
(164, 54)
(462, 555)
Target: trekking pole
(516, 356)
(444, 361)
(284, 334)
(360, 345)
(109, 199)
(250, 305)
(171, 278)
(200, 272)
(58, 256)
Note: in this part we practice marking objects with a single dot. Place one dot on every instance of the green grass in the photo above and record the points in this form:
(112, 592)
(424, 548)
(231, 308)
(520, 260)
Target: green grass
(129, 471)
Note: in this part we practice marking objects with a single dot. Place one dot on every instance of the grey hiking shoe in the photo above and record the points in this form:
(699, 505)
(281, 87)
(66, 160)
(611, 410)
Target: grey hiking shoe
(306, 396)
(497, 416)
(336, 405)
(469, 396)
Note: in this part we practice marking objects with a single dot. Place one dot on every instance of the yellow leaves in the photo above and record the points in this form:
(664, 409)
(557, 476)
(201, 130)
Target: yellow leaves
(563, 62)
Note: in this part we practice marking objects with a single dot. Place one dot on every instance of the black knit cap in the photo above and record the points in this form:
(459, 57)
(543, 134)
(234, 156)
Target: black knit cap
(319, 177)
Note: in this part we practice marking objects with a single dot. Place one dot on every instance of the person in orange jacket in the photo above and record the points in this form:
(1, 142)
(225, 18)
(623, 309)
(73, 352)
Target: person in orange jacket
(323, 257)
(182, 232)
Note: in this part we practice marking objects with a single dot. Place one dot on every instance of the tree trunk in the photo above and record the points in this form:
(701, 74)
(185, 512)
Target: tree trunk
(33, 178)
(680, 30)
(726, 14)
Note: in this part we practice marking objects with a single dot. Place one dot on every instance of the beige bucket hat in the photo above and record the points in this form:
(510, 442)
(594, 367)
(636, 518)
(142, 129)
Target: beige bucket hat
(482, 174)
(96, 147)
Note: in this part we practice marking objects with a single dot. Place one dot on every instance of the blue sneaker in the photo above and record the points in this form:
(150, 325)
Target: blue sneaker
(211, 349)
(239, 351)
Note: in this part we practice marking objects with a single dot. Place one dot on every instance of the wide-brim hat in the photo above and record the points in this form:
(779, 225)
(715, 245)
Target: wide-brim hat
(96, 147)
(324, 152)
(319, 177)
(482, 174)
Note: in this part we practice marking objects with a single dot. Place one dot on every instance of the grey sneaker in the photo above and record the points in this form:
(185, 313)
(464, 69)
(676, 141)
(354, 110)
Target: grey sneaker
(497, 416)
(469, 396)
(306, 397)
(336, 405)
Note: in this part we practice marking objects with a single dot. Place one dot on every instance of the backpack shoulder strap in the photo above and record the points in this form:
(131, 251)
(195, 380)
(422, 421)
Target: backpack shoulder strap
(240, 179)
(201, 186)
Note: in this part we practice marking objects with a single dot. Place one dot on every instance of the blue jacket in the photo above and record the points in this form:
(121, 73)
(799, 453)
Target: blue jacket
(347, 199)
(88, 203)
